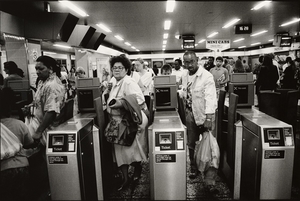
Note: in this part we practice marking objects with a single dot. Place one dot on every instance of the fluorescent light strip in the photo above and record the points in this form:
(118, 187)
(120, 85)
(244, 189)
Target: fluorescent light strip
(126, 43)
(196, 44)
(74, 8)
(260, 5)
(238, 40)
(255, 43)
(167, 24)
(166, 35)
(170, 6)
(213, 34)
(290, 22)
(164, 42)
(271, 40)
(164, 46)
(119, 37)
(133, 47)
(242, 46)
(62, 46)
(231, 23)
(201, 41)
(48, 52)
(137, 50)
(258, 33)
(103, 27)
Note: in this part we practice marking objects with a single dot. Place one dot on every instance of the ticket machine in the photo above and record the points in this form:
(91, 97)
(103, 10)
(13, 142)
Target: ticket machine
(167, 153)
(73, 162)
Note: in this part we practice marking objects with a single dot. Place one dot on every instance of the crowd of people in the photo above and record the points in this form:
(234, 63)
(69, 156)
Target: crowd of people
(132, 82)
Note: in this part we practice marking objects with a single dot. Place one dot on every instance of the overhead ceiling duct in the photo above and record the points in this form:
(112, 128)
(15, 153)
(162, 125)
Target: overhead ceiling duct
(95, 41)
(50, 26)
(81, 35)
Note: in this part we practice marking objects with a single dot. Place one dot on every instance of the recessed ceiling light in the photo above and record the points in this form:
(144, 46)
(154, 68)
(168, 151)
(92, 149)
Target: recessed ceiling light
(119, 37)
(238, 40)
(164, 42)
(201, 41)
(167, 24)
(126, 43)
(290, 22)
(166, 35)
(256, 43)
(45, 52)
(231, 23)
(196, 44)
(212, 34)
(260, 5)
(258, 33)
(170, 6)
(137, 50)
(242, 46)
(62, 46)
(271, 39)
(103, 27)
(74, 8)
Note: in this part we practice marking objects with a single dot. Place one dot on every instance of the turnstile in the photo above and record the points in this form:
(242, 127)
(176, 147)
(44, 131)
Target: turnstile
(167, 154)
(267, 157)
(73, 161)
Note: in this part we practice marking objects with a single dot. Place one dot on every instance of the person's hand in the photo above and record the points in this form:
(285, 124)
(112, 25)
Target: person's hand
(208, 124)
(109, 86)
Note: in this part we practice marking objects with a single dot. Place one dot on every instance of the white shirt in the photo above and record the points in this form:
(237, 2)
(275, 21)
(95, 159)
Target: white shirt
(178, 73)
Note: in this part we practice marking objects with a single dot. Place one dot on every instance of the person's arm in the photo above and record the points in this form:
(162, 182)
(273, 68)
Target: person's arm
(47, 120)
(226, 78)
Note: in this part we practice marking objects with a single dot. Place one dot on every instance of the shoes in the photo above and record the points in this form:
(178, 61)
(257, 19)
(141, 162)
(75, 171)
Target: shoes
(193, 173)
(137, 173)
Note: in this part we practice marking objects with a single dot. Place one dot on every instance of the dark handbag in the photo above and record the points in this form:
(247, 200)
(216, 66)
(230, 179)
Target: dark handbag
(127, 135)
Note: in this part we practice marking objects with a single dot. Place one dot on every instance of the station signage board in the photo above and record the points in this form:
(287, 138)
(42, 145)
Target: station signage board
(243, 29)
(218, 44)
(188, 42)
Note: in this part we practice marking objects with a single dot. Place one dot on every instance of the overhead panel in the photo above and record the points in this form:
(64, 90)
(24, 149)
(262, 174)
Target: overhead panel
(81, 35)
(50, 26)
(95, 41)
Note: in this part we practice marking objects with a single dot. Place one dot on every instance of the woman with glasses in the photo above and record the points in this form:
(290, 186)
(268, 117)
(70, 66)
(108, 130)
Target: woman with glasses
(122, 87)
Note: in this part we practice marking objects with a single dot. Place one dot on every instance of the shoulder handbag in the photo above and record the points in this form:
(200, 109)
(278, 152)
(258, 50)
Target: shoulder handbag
(10, 144)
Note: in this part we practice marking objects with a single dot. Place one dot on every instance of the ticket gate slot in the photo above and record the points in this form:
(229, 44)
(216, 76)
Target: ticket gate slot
(71, 162)
(167, 158)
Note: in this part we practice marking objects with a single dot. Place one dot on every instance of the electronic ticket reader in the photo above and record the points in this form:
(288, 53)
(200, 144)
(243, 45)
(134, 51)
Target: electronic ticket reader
(72, 166)
(167, 144)
(267, 157)
(242, 84)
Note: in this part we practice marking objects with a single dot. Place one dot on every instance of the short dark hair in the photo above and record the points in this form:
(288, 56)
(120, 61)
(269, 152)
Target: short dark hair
(122, 59)
(219, 58)
(8, 101)
(179, 61)
(11, 66)
(50, 63)
(166, 67)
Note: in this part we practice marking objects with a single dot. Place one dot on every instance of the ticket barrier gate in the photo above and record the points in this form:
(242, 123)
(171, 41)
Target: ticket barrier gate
(264, 157)
(167, 154)
(73, 161)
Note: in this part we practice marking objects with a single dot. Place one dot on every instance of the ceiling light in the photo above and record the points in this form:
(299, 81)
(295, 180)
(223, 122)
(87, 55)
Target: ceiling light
(48, 52)
(260, 5)
(242, 46)
(258, 33)
(74, 8)
(163, 49)
(126, 43)
(238, 40)
(166, 36)
(196, 44)
(119, 37)
(271, 39)
(137, 50)
(170, 6)
(201, 41)
(231, 23)
(177, 36)
(133, 47)
(102, 26)
(164, 42)
(255, 43)
(290, 22)
(213, 34)
(62, 46)
(167, 24)
(164, 46)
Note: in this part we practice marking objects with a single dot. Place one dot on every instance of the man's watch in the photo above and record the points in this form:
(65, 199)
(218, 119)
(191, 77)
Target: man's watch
(208, 119)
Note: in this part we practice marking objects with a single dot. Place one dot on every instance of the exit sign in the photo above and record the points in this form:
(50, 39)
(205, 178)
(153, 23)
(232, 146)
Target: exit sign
(243, 29)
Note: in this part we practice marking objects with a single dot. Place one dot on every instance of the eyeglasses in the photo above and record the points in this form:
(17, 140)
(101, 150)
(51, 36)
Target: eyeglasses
(118, 67)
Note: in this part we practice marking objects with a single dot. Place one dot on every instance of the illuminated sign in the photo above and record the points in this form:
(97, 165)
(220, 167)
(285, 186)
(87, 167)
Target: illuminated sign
(188, 42)
(217, 44)
(243, 29)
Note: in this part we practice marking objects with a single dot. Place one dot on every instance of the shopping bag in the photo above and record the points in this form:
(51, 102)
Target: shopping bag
(10, 144)
(32, 124)
(215, 151)
(202, 154)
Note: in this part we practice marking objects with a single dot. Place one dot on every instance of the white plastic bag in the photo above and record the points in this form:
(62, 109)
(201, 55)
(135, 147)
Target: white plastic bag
(32, 124)
(10, 143)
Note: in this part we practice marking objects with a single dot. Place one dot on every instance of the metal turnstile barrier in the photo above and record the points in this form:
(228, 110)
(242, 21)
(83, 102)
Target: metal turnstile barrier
(73, 161)
(167, 153)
